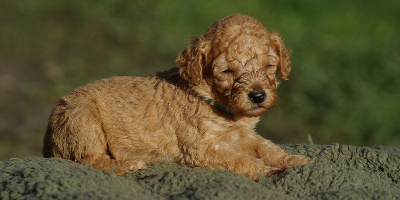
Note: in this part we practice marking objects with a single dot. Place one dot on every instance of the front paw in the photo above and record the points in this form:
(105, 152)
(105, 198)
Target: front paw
(267, 172)
(126, 166)
(294, 160)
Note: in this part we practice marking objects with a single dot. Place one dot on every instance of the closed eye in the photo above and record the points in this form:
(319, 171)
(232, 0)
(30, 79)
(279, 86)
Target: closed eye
(228, 71)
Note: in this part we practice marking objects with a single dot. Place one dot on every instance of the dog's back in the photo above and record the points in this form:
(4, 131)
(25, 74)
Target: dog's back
(119, 119)
(76, 120)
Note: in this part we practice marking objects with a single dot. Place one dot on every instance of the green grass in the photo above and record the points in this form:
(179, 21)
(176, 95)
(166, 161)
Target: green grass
(344, 85)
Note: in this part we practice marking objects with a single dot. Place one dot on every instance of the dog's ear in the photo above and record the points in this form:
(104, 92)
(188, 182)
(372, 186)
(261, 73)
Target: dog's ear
(284, 56)
(192, 60)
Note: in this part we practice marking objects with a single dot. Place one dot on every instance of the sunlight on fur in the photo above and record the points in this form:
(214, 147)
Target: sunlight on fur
(202, 114)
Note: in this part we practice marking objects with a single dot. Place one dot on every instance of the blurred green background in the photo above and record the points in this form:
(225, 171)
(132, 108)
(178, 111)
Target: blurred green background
(344, 86)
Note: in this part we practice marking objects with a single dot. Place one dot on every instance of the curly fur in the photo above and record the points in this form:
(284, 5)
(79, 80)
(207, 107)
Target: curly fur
(122, 123)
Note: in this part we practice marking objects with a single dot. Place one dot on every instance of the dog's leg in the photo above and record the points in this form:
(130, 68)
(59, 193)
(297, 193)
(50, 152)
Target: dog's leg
(120, 167)
(274, 156)
(75, 132)
(250, 166)
(216, 156)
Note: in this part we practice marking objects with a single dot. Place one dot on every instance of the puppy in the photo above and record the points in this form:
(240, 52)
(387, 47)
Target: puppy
(202, 114)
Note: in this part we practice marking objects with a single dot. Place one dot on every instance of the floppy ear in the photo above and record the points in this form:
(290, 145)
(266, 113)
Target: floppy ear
(191, 61)
(284, 56)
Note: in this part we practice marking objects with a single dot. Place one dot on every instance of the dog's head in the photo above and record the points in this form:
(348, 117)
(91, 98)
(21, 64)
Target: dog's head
(235, 62)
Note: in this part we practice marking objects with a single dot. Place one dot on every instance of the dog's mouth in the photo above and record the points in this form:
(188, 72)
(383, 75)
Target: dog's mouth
(243, 105)
(255, 111)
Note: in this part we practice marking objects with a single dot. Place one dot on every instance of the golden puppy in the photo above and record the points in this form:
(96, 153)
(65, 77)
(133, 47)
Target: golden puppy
(202, 114)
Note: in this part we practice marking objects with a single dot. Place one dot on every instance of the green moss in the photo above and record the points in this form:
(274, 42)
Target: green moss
(339, 172)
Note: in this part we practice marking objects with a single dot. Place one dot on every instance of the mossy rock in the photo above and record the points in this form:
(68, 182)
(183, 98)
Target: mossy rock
(339, 172)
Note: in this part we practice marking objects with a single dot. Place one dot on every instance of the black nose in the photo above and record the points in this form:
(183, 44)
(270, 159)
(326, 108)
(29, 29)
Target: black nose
(257, 97)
